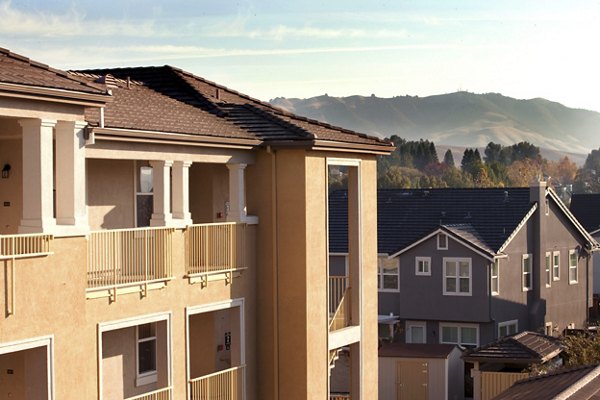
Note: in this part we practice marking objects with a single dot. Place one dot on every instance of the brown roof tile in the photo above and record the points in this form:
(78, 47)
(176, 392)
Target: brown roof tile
(525, 347)
(20, 70)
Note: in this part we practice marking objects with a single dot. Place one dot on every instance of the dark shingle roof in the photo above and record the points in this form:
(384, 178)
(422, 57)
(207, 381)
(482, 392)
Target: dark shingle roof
(585, 208)
(21, 70)
(486, 217)
(524, 348)
(580, 383)
(201, 107)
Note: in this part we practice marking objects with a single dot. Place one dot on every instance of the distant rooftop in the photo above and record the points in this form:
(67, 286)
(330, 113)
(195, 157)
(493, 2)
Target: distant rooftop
(522, 348)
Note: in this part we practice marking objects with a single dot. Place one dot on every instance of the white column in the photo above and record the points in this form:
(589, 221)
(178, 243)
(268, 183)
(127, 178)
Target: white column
(70, 175)
(237, 193)
(38, 213)
(161, 173)
(181, 193)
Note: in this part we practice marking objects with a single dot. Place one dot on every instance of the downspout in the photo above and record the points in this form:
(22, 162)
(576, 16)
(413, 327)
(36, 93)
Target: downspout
(489, 279)
(275, 256)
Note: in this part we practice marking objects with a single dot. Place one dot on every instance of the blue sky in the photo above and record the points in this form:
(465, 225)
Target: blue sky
(267, 48)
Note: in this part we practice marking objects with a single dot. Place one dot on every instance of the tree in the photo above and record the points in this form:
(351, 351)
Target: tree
(587, 179)
(522, 173)
(492, 153)
(581, 350)
(449, 159)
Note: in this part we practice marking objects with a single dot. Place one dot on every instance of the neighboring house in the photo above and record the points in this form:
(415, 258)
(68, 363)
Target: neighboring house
(163, 237)
(420, 372)
(584, 207)
(580, 383)
(497, 365)
(466, 266)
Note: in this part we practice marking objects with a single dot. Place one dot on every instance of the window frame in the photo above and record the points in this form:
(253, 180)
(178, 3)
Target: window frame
(439, 244)
(381, 275)
(548, 268)
(495, 266)
(459, 327)
(416, 324)
(507, 324)
(150, 376)
(457, 277)
(424, 260)
(556, 265)
(573, 267)
(530, 272)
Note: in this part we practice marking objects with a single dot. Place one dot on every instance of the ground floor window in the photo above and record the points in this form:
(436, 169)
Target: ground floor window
(464, 335)
(146, 354)
(508, 328)
(416, 332)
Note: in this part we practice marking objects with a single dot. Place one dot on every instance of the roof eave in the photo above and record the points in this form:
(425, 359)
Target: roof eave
(325, 145)
(54, 95)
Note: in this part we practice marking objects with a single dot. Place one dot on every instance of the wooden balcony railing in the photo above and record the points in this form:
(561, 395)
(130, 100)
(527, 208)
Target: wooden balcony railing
(212, 248)
(228, 384)
(160, 394)
(128, 256)
(20, 246)
(339, 302)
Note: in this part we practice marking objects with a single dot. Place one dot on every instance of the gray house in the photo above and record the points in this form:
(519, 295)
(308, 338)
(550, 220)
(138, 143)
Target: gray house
(585, 208)
(466, 266)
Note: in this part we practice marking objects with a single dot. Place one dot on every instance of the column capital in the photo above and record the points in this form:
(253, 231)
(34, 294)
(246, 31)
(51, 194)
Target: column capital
(161, 163)
(239, 166)
(35, 122)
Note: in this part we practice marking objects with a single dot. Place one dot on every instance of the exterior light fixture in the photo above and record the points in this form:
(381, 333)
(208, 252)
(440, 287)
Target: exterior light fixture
(6, 171)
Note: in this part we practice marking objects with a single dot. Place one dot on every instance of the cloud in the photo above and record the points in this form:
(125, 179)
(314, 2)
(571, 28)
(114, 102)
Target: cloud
(282, 32)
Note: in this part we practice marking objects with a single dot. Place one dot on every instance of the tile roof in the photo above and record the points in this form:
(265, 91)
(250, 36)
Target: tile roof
(523, 348)
(144, 95)
(416, 350)
(485, 217)
(580, 383)
(20, 70)
(585, 208)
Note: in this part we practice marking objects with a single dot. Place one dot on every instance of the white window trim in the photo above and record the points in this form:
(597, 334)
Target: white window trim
(457, 260)
(573, 282)
(419, 324)
(546, 326)
(496, 262)
(548, 269)
(439, 245)
(556, 266)
(380, 274)
(149, 376)
(458, 326)
(423, 259)
(530, 273)
(27, 344)
(547, 207)
(130, 323)
(504, 324)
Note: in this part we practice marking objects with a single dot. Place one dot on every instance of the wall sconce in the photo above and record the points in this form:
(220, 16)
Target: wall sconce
(6, 171)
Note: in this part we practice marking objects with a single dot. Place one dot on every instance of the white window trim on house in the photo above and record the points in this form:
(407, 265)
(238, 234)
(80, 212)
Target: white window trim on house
(32, 343)
(442, 244)
(530, 273)
(130, 323)
(548, 329)
(415, 324)
(548, 269)
(151, 376)
(495, 265)
(507, 324)
(381, 274)
(426, 261)
(556, 265)
(573, 267)
(457, 260)
(459, 333)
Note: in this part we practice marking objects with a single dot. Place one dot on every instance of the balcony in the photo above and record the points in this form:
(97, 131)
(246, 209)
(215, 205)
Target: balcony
(161, 394)
(223, 385)
(339, 302)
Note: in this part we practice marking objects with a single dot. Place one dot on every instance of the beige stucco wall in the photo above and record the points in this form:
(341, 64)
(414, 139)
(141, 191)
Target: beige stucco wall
(11, 191)
(209, 190)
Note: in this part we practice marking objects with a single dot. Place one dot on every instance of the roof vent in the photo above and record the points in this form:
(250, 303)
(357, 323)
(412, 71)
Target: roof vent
(505, 196)
(108, 80)
(425, 193)
(468, 216)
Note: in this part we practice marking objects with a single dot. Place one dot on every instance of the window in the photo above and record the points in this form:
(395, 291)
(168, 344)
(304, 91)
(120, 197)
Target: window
(389, 275)
(556, 266)
(457, 276)
(415, 332)
(143, 195)
(442, 241)
(423, 265)
(146, 354)
(508, 328)
(573, 266)
(495, 283)
(465, 335)
(548, 269)
(548, 329)
(527, 276)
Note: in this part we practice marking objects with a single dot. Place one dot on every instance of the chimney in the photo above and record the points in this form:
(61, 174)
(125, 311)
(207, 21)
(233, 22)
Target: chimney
(537, 194)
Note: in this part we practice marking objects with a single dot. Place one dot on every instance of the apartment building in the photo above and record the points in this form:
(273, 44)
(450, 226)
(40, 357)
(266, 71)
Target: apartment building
(165, 237)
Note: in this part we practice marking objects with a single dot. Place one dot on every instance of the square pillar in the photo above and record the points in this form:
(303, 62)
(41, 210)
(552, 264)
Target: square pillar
(38, 213)
(237, 193)
(161, 174)
(70, 175)
(181, 193)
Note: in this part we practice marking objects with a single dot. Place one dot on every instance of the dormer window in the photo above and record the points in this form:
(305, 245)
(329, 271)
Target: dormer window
(442, 241)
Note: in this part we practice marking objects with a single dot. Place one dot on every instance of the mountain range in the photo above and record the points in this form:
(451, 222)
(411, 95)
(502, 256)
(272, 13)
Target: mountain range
(460, 119)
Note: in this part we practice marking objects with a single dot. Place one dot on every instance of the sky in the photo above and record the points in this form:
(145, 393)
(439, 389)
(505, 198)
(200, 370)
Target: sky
(303, 48)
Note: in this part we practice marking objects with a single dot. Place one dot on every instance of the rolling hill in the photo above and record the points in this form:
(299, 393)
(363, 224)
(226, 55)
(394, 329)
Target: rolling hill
(460, 119)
